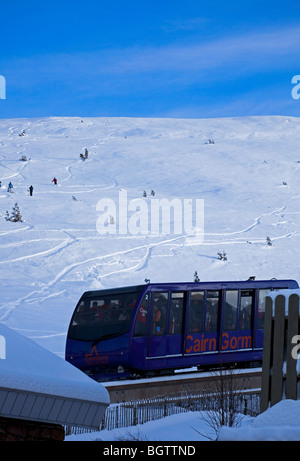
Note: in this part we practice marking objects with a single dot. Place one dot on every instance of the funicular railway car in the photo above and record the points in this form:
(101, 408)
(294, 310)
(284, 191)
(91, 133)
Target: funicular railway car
(149, 329)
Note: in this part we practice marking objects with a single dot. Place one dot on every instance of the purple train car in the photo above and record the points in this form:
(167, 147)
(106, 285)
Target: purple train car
(151, 329)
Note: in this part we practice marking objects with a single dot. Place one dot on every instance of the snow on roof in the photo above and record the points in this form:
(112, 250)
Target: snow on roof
(29, 367)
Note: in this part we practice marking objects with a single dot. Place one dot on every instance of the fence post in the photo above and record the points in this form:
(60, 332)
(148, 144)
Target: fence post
(134, 423)
(278, 350)
(267, 351)
(291, 371)
(117, 416)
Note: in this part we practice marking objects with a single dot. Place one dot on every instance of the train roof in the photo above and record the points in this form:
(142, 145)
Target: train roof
(194, 285)
(120, 290)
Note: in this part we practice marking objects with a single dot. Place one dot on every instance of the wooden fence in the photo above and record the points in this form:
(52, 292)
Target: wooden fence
(280, 379)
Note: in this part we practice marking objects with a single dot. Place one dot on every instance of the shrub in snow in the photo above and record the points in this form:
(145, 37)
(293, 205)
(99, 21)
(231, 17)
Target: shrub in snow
(15, 215)
(222, 256)
(221, 402)
(85, 155)
(269, 242)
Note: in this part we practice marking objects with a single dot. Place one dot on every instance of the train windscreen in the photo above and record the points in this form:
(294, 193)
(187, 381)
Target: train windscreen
(103, 316)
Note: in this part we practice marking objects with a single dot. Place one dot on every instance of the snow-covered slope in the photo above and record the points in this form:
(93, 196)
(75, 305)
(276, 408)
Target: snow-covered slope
(248, 179)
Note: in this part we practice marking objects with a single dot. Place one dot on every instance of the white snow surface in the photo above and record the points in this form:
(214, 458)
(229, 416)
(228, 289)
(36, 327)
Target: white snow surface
(279, 423)
(248, 179)
(30, 367)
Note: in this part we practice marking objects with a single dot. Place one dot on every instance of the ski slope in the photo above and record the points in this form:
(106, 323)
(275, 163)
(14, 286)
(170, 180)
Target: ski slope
(248, 179)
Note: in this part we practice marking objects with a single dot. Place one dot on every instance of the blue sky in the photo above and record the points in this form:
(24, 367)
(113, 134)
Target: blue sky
(156, 58)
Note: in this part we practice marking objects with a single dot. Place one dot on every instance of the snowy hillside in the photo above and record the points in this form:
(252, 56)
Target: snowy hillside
(248, 179)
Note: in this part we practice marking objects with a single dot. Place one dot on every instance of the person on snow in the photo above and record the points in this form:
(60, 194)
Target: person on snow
(10, 187)
(54, 180)
(30, 190)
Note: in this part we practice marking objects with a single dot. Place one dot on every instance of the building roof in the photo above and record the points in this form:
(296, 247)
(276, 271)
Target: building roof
(40, 386)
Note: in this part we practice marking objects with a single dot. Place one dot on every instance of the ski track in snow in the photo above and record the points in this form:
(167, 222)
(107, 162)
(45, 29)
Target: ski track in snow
(45, 292)
(131, 260)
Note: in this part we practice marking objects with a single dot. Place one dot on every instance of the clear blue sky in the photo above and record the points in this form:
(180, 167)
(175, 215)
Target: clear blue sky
(150, 58)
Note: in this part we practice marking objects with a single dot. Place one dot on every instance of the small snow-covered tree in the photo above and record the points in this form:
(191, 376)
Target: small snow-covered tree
(85, 155)
(222, 256)
(15, 215)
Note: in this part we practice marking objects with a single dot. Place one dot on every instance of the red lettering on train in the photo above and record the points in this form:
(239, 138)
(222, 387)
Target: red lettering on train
(228, 342)
(235, 342)
(94, 358)
(201, 344)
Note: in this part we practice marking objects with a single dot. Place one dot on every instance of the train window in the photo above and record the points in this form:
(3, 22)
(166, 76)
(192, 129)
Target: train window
(262, 305)
(212, 308)
(196, 311)
(140, 328)
(103, 316)
(108, 309)
(176, 313)
(246, 309)
(159, 313)
(78, 316)
(231, 309)
(261, 308)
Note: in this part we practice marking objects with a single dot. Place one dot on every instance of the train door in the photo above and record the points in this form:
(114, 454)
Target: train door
(202, 332)
(260, 318)
(157, 339)
(165, 335)
(139, 342)
(211, 326)
(175, 325)
(236, 333)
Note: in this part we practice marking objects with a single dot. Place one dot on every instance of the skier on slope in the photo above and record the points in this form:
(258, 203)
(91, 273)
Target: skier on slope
(54, 180)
